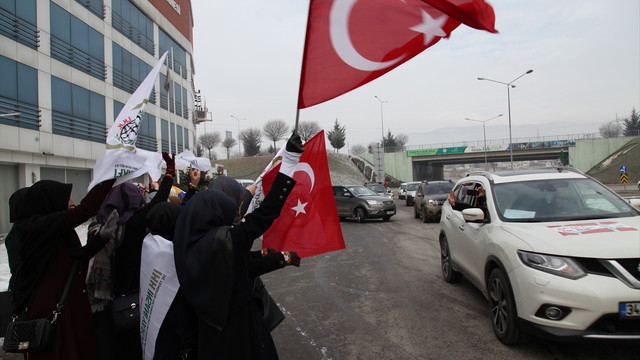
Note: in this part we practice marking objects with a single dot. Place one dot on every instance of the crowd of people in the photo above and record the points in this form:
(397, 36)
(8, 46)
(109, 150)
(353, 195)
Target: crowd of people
(221, 309)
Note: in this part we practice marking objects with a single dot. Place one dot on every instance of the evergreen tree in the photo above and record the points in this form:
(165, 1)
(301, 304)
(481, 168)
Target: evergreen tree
(251, 141)
(632, 125)
(337, 136)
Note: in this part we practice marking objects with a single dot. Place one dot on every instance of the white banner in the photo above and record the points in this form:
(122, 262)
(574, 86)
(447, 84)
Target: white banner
(122, 160)
(158, 287)
(186, 158)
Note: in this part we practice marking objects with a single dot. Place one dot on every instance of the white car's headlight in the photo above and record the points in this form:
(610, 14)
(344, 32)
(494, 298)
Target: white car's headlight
(374, 202)
(433, 202)
(556, 265)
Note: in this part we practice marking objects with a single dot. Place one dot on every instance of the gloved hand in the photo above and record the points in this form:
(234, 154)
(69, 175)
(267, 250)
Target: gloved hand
(108, 229)
(291, 258)
(268, 251)
(171, 163)
(294, 144)
(291, 155)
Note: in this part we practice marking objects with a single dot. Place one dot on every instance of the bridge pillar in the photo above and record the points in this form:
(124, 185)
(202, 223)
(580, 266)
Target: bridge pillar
(423, 170)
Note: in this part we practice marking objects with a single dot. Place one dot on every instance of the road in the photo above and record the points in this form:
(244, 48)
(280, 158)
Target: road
(383, 298)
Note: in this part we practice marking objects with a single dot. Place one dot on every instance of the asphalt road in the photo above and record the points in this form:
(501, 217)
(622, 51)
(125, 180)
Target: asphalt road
(383, 297)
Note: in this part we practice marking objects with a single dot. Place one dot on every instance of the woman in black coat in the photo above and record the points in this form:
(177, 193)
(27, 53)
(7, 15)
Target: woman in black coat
(212, 259)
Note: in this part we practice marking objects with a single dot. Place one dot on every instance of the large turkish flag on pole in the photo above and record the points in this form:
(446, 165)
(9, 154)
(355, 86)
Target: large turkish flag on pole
(352, 42)
(308, 223)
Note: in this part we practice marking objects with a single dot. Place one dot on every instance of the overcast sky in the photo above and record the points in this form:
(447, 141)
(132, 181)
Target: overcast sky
(585, 57)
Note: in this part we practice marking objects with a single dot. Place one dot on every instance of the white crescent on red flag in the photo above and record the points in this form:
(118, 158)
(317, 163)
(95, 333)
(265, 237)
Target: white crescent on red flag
(352, 42)
(308, 223)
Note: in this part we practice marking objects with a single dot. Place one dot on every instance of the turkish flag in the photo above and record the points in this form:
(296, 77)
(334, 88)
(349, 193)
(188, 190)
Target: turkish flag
(350, 43)
(308, 223)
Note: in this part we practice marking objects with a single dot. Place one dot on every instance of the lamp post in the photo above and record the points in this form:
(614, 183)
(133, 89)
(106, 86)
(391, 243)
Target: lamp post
(484, 135)
(381, 119)
(238, 132)
(509, 86)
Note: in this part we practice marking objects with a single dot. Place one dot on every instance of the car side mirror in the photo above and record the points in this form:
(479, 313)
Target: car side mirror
(473, 215)
(347, 194)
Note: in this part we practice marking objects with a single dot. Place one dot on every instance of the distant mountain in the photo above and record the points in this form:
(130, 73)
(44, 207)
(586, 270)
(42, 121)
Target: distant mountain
(454, 136)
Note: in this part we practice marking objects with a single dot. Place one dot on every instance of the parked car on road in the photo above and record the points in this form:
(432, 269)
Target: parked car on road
(381, 190)
(361, 203)
(411, 192)
(555, 253)
(429, 198)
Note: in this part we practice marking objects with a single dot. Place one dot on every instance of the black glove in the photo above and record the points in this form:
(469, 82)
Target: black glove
(291, 258)
(171, 163)
(294, 144)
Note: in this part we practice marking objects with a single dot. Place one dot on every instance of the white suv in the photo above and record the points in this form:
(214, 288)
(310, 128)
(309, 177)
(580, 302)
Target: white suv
(556, 254)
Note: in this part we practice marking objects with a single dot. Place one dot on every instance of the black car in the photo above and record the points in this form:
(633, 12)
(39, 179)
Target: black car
(361, 203)
(430, 196)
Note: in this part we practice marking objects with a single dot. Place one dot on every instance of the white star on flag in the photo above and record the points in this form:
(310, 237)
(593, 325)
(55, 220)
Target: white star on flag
(299, 208)
(430, 27)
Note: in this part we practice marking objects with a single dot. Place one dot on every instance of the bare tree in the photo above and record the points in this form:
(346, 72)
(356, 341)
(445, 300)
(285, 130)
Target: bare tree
(209, 141)
(306, 129)
(228, 143)
(251, 140)
(610, 129)
(358, 150)
(401, 141)
(275, 130)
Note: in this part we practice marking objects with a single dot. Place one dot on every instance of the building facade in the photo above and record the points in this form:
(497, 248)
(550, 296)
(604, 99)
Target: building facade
(67, 67)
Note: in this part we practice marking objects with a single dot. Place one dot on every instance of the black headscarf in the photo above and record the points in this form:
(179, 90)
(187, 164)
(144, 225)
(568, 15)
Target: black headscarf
(40, 214)
(233, 188)
(161, 219)
(204, 254)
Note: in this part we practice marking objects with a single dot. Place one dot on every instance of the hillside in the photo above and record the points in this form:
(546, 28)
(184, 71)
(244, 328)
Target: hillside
(341, 169)
(608, 170)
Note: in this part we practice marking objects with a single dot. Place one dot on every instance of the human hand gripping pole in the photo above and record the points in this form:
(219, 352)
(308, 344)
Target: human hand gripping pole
(291, 155)
(171, 164)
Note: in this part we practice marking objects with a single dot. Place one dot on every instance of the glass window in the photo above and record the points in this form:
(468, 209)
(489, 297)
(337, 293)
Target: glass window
(9, 83)
(164, 134)
(60, 93)
(28, 84)
(60, 23)
(79, 34)
(18, 21)
(96, 104)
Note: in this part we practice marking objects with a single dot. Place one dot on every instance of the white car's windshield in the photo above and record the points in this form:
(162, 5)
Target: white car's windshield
(412, 187)
(557, 200)
(360, 190)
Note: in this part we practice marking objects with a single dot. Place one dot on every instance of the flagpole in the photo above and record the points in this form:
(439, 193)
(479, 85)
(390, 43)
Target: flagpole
(304, 53)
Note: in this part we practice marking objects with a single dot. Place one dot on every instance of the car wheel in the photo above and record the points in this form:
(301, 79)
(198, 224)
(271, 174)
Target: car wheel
(425, 219)
(503, 309)
(361, 216)
(448, 273)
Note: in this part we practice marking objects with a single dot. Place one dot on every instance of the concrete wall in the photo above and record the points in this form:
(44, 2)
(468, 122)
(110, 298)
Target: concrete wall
(397, 165)
(589, 152)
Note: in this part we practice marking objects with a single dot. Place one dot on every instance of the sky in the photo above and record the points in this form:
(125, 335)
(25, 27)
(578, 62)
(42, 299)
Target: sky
(585, 57)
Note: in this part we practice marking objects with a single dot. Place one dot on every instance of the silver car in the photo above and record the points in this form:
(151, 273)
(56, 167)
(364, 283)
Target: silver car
(362, 203)
(411, 192)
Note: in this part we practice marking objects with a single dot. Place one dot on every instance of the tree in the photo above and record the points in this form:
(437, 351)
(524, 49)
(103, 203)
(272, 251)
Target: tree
(358, 149)
(209, 141)
(306, 129)
(610, 129)
(228, 143)
(401, 141)
(632, 125)
(337, 136)
(251, 140)
(389, 142)
(275, 130)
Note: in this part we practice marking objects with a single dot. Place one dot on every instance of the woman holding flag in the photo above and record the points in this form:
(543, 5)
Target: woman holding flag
(212, 257)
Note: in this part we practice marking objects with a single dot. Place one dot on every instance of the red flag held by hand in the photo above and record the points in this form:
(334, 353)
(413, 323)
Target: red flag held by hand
(308, 223)
(350, 43)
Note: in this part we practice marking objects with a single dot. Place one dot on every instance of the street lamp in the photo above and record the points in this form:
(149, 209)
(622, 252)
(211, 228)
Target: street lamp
(238, 132)
(484, 134)
(381, 119)
(509, 86)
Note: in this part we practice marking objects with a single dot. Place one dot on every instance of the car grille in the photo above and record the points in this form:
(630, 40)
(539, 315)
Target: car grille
(388, 202)
(626, 270)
